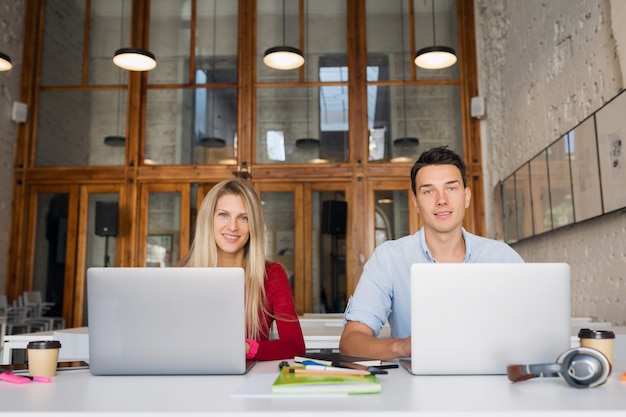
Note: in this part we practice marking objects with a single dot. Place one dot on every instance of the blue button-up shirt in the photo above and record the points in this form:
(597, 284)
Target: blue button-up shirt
(383, 291)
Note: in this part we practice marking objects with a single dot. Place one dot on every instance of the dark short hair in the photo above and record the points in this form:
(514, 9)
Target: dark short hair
(441, 155)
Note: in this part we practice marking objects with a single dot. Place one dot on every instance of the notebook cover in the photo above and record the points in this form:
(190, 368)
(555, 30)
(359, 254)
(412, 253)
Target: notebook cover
(300, 383)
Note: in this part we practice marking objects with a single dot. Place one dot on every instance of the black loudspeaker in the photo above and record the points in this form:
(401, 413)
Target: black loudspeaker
(580, 367)
(106, 218)
(334, 217)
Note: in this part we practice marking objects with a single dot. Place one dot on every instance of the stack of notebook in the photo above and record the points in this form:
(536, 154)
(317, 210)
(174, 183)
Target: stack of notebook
(324, 380)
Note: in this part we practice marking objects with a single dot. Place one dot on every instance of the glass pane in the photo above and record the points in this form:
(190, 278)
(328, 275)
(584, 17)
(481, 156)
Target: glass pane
(195, 201)
(406, 120)
(611, 128)
(162, 247)
(288, 126)
(542, 219)
(389, 30)
(109, 31)
(391, 215)
(50, 243)
(523, 201)
(499, 211)
(277, 25)
(170, 41)
(72, 127)
(216, 39)
(388, 40)
(101, 249)
(585, 171)
(329, 252)
(205, 135)
(562, 206)
(324, 34)
(333, 107)
(63, 43)
(278, 210)
(215, 124)
(510, 210)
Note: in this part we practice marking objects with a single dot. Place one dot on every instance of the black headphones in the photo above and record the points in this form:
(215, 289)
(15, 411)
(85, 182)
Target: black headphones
(581, 367)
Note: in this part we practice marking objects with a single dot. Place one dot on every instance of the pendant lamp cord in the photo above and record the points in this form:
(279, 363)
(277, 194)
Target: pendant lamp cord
(402, 64)
(284, 23)
(213, 90)
(119, 71)
(306, 40)
(433, 12)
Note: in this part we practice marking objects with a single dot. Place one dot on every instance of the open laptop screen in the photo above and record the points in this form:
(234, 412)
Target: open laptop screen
(166, 321)
(478, 318)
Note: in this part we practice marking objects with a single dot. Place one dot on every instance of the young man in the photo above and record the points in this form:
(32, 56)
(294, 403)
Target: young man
(440, 196)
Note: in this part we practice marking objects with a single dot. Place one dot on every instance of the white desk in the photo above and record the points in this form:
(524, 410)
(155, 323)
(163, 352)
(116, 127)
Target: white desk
(74, 343)
(403, 394)
(317, 336)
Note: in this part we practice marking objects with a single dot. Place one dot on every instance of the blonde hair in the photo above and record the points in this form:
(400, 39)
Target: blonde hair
(203, 251)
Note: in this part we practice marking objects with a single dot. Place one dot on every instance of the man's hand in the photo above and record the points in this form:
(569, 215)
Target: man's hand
(358, 339)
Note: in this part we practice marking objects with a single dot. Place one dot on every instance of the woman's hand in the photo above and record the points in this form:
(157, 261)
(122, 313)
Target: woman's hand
(252, 347)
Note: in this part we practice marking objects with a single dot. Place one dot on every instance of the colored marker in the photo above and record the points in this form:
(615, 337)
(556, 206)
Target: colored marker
(22, 379)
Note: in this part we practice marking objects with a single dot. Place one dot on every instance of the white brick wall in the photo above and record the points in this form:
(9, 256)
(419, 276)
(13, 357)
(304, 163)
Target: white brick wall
(544, 67)
(11, 22)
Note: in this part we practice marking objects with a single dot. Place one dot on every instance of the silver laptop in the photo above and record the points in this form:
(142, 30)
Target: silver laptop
(475, 319)
(160, 321)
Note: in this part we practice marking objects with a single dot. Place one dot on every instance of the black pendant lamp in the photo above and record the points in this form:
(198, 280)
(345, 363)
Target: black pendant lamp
(405, 141)
(115, 141)
(283, 57)
(307, 142)
(5, 62)
(436, 56)
(213, 141)
(118, 140)
(134, 59)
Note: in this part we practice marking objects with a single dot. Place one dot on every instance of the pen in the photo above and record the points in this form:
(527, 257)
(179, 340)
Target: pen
(370, 369)
(389, 365)
(309, 362)
(39, 378)
(327, 370)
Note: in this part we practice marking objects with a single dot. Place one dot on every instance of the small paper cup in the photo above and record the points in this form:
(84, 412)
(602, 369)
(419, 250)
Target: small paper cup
(43, 356)
(601, 340)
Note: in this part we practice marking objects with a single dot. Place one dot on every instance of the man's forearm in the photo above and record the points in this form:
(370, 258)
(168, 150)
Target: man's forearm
(364, 345)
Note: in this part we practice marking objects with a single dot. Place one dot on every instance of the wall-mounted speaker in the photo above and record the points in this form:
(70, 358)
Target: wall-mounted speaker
(106, 218)
(477, 107)
(334, 217)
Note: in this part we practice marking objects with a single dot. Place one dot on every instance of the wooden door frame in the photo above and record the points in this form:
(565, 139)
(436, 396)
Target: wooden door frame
(26, 264)
(76, 317)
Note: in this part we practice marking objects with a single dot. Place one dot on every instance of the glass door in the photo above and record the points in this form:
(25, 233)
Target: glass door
(70, 231)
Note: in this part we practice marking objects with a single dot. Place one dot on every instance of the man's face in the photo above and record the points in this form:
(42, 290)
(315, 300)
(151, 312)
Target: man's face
(441, 198)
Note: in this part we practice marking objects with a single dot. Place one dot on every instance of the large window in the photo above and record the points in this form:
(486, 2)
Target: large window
(339, 128)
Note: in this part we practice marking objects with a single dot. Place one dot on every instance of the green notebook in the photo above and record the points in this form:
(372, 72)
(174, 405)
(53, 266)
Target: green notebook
(332, 383)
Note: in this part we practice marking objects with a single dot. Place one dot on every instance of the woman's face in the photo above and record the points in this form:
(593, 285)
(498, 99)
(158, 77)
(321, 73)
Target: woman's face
(230, 226)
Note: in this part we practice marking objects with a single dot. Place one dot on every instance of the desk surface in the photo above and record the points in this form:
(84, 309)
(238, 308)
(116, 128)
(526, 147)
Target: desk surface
(79, 391)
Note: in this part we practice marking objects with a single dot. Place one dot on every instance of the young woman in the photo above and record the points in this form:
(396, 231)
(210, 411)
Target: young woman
(230, 232)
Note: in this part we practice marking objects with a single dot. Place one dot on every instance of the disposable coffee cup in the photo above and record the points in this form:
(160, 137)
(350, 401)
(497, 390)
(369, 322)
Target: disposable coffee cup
(43, 356)
(601, 340)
